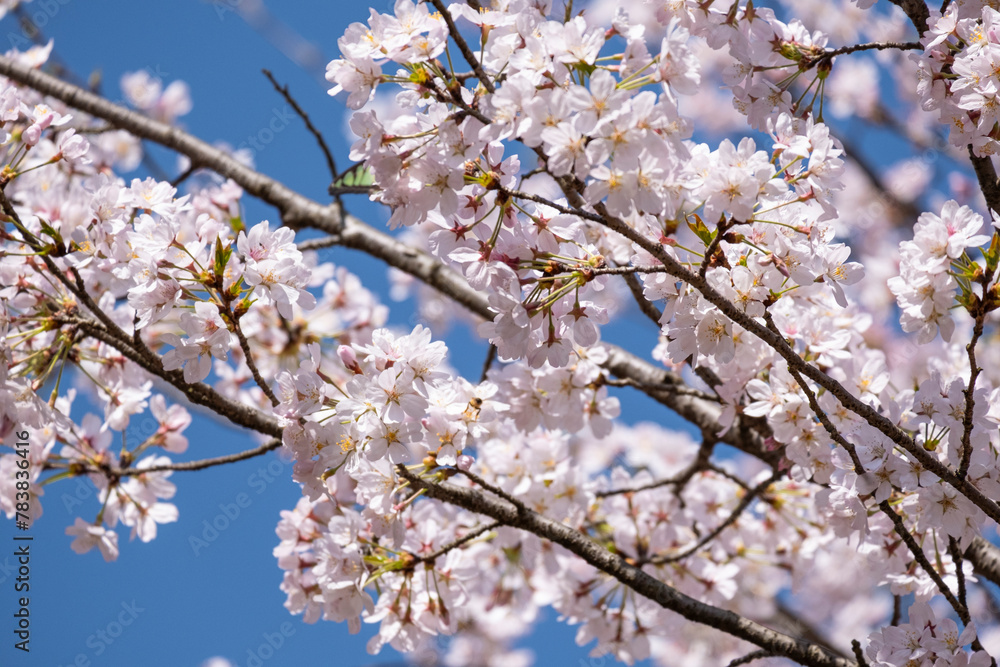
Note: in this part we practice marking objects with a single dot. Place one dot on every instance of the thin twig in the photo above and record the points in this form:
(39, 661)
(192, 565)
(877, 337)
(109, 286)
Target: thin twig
(970, 389)
(184, 175)
(647, 307)
(730, 520)
(248, 357)
(198, 393)
(626, 270)
(887, 509)
(491, 355)
(463, 46)
(777, 342)
(468, 537)
(633, 577)
(868, 46)
(751, 657)
(700, 463)
(713, 245)
(337, 190)
(956, 558)
(271, 445)
(492, 488)
(858, 653)
(283, 90)
(921, 558)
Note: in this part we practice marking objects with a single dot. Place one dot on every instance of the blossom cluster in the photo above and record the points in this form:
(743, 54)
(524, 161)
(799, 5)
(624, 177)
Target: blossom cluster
(957, 77)
(601, 110)
(181, 278)
(561, 177)
(925, 288)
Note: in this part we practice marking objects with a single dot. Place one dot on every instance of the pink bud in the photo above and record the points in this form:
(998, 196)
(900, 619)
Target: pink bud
(349, 359)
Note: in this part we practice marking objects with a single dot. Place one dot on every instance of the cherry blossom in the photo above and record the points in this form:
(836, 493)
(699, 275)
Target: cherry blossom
(574, 186)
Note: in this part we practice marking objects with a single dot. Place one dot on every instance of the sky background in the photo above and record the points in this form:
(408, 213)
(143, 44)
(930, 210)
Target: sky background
(184, 607)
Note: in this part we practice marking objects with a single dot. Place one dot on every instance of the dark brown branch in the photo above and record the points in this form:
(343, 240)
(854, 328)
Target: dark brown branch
(987, 177)
(184, 175)
(108, 332)
(295, 208)
(970, 389)
(868, 46)
(269, 446)
(454, 544)
(198, 393)
(792, 623)
(858, 653)
(985, 557)
(336, 190)
(626, 270)
(701, 462)
(495, 490)
(632, 577)
(648, 308)
(751, 657)
(887, 509)
(251, 364)
(713, 245)
(284, 92)
(956, 558)
(463, 46)
(921, 557)
(917, 12)
(491, 355)
(730, 520)
(795, 362)
(354, 233)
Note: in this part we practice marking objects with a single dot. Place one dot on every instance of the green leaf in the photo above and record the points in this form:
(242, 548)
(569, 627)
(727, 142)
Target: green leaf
(992, 254)
(700, 230)
(356, 175)
(586, 68)
(51, 231)
(222, 255)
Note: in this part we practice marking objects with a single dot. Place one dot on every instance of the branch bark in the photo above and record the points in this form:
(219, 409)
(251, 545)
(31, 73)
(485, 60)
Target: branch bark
(350, 232)
(985, 557)
(666, 596)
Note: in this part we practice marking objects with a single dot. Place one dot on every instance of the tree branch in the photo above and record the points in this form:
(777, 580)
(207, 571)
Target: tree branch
(454, 544)
(730, 520)
(917, 12)
(283, 90)
(353, 233)
(201, 464)
(985, 557)
(198, 393)
(463, 46)
(987, 177)
(295, 208)
(779, 345)
(633, 577)
(245, 346)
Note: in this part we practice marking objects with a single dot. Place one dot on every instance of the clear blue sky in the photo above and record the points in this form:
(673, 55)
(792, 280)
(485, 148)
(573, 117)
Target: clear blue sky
(161, 604)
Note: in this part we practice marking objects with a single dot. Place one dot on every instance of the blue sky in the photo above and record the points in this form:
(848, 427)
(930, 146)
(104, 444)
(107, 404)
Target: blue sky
(174, 602)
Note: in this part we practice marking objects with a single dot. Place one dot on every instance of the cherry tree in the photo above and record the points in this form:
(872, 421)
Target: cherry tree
(828, 328)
